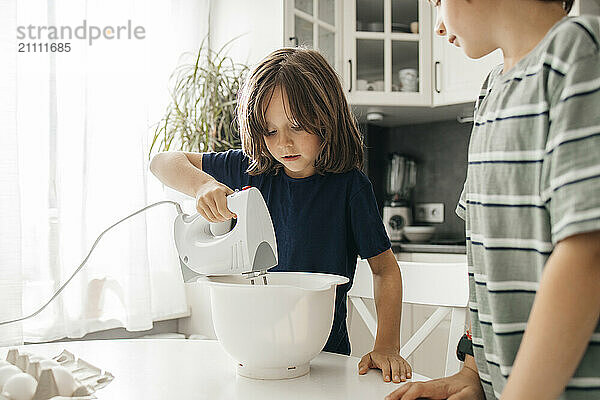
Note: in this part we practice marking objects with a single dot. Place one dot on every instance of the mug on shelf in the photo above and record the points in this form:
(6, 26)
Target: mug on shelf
(409, 80)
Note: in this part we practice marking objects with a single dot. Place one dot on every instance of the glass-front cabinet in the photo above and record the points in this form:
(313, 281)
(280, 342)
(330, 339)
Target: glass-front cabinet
(387, 52)
(316, 24)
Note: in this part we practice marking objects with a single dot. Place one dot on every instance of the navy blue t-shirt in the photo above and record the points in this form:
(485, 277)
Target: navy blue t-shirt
(322, 223)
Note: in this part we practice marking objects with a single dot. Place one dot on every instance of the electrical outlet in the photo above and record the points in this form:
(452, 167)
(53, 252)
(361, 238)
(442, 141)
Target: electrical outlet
(429, 212)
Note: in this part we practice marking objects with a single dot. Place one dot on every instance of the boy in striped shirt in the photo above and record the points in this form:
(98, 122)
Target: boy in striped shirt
(531, 204)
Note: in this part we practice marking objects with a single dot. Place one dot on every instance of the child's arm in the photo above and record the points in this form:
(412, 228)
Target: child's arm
(183, 172)
(562, 320)
(387, 285)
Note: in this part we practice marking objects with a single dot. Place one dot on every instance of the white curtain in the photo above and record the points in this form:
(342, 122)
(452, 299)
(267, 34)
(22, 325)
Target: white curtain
(76, 130)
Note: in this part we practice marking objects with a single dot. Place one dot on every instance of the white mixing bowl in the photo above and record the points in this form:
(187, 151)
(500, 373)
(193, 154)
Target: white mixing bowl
(273, 331)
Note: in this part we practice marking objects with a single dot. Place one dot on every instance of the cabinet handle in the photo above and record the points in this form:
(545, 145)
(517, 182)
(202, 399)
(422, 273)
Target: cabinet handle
(295, 40)
(437, 64)
(350, 63)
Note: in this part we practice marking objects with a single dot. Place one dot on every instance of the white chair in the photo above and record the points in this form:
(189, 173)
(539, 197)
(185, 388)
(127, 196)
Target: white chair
(437, 284)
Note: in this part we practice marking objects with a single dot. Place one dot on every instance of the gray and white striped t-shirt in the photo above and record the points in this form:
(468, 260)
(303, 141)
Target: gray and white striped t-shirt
(533, 179)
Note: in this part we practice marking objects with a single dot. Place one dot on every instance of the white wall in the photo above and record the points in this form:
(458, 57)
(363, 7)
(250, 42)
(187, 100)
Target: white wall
(260, 23)
(586, 7)
(589, 6)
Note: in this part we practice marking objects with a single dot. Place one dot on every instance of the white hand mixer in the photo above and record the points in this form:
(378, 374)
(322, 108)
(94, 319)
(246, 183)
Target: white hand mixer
(248, 248)
(268, 338)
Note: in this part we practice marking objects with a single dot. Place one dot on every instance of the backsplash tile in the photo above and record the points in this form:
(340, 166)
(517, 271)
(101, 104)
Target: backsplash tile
(440, 150)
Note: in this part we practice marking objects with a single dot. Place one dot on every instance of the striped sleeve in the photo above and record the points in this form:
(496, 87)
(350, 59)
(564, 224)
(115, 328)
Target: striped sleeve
(570, 184)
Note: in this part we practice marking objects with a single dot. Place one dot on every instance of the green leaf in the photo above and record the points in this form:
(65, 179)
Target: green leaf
(201, 115)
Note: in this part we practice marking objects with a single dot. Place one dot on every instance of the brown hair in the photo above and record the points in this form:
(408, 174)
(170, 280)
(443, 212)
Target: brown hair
(317, 104)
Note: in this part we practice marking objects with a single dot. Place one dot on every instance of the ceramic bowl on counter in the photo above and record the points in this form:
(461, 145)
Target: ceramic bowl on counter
(273, 330)
(418, 234)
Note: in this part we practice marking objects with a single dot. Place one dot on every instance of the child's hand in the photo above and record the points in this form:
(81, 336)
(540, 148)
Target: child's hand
(463, 385)
(389, 362)
(211, 202)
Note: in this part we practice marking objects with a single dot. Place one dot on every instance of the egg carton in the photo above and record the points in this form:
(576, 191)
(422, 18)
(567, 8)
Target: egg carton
(63, 377)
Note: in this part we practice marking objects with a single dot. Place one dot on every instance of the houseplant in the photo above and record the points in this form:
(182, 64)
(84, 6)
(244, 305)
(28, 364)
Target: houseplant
(201, 114)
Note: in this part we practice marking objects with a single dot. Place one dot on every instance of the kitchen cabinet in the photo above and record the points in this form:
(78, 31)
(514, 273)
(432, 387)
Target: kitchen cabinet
(316, 24)
(385, 51)
(384, 39)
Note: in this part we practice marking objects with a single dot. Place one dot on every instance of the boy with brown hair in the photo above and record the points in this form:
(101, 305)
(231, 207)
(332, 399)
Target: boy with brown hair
(302, 149)
(531, 205)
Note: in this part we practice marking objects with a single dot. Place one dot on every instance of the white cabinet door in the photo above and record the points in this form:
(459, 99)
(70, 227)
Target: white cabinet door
(316, 24)
(384, 39)
(457, 78)
(381, 42)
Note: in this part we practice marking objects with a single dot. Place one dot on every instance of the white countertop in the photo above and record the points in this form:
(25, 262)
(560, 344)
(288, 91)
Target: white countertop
(197, 369)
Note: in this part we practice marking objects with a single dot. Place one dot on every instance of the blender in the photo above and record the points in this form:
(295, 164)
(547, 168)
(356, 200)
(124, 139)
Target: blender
(401, 178)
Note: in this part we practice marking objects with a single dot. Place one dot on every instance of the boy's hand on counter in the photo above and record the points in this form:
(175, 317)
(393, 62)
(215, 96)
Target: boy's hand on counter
(464, 385)
(392, 366)
(211, 201)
